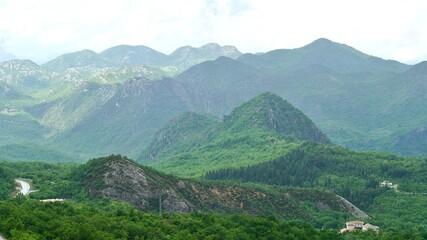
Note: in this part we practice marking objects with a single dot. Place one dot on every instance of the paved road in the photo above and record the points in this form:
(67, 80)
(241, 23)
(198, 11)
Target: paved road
(25, 187)
(2, 238)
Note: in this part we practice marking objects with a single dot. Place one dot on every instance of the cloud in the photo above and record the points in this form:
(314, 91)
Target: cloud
(43, 29)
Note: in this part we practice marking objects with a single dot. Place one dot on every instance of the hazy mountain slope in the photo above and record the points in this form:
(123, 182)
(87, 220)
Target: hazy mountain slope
(128, 119)
(331, 99)
(358, 100)
(413, 142)
(7, 93)
(223, 84)
(64, 113)
(23, 75)
(404, 114)
(187, 56)
(134, 55)
(84, 58)
(32, 152)
(126, 55)
(338, 57)
(18, 127)
(259, 130)
(351, 96)
(176, 131)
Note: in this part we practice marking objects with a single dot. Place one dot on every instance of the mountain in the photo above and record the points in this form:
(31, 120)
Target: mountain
(126, 55)
(259, 130)
(23, 75)
(134, 55)
(118, 178)
(338, 57)
(359, 101)
(351, 96)
(405, 112)
(187, 56)
(271, 112)
(84, 58)
(125, 117)
(214, 84)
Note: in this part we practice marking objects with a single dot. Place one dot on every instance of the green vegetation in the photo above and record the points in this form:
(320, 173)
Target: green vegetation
(119, 178)
(54, 180)
(6, 183)
(354, 175)
(82, 218)
(260, 130)
(28, 219)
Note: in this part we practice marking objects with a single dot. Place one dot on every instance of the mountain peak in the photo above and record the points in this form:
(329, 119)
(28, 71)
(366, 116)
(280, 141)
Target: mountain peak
(272, 112)
(210, 46)
(323, 41)
(187, 54)
(83, 58)
(133, 55)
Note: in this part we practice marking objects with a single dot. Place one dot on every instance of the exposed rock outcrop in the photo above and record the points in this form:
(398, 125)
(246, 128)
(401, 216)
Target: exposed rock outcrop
(118, 178)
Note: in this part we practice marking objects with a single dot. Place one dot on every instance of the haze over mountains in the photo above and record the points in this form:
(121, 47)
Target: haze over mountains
(6, 56)
(87, 104)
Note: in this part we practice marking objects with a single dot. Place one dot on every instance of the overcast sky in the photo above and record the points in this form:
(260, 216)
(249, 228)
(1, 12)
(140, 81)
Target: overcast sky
(43, 29)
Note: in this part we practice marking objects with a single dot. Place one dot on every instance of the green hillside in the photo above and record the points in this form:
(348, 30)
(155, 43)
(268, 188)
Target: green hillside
(117, 178)
(354, 175)
(259, 130)
(84, 58)
(169, 139)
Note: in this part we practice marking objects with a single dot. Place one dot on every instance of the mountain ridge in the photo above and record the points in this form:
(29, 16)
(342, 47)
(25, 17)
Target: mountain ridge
(118, 178)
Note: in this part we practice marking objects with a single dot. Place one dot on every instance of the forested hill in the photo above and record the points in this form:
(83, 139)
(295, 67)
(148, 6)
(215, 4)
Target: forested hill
(259, 130)
(118, 178)
(273, 113)
(353, 175)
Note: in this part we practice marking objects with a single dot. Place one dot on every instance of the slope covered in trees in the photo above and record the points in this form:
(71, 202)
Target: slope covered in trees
(353, 175)
(259, 130)
(29, 219)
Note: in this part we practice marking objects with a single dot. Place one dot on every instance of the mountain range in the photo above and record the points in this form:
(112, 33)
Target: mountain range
(88, 104)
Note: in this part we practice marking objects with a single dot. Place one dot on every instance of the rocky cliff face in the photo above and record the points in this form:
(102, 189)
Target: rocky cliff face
(118, 178)
(124, 180)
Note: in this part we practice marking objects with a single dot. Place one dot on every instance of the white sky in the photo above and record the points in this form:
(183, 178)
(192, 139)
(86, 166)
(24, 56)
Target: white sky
(43, 29)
